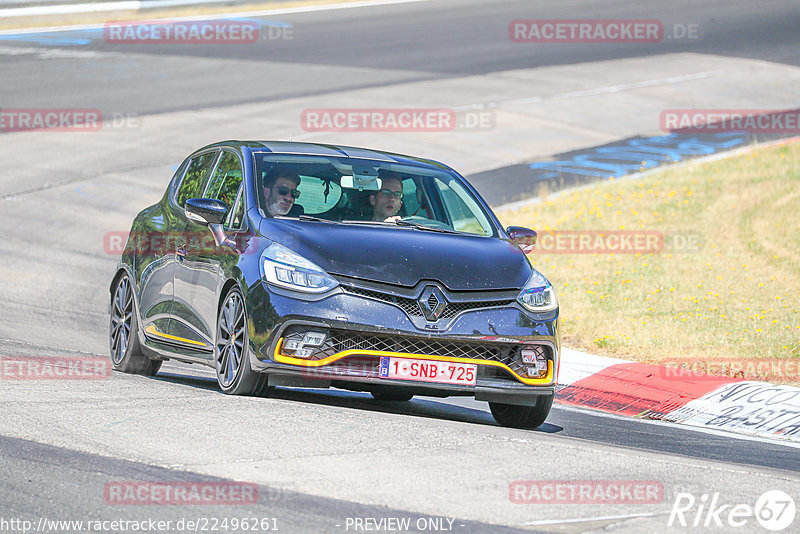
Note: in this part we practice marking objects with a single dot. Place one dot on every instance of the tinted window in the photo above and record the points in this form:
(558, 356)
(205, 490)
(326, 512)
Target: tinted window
(224, 184)
(195, 177)
(318, 195)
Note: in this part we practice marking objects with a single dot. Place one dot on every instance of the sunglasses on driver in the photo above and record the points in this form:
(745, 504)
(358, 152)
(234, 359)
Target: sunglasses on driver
(283, 191)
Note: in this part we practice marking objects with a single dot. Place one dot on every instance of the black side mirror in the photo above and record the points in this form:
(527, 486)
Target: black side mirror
(524, 238)
(206, 210)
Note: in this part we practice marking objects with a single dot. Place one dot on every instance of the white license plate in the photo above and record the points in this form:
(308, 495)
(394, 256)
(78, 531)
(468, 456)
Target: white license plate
(428, 371)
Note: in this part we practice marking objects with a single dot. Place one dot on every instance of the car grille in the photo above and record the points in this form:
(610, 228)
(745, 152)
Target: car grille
(412, 308)
(341, 340)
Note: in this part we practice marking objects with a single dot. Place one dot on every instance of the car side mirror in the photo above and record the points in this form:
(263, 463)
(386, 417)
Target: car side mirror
(206, 210)
(209, 212)
(524, 238)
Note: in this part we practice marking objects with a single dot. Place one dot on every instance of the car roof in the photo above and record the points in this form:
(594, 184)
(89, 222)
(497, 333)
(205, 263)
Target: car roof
(318, 149)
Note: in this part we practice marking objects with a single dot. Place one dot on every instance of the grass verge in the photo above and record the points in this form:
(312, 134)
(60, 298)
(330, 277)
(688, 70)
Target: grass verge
(728, 304)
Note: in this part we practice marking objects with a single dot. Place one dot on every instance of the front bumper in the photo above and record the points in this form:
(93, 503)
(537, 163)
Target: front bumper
(360, 330)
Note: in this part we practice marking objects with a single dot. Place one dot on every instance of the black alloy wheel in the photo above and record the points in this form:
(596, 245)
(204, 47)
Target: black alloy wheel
(231, 356)
(123, 338)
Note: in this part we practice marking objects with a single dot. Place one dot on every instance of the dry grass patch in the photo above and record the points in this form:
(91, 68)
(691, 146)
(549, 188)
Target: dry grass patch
(736, 298)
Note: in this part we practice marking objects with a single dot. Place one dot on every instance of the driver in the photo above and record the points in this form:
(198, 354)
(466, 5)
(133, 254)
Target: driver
(388, 201)
(280, 190)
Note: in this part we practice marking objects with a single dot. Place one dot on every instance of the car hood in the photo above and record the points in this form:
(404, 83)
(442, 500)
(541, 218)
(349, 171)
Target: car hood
(403, 255)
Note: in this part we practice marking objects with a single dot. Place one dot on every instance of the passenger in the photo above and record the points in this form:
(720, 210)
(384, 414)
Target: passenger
(388, 201)
(280, 190)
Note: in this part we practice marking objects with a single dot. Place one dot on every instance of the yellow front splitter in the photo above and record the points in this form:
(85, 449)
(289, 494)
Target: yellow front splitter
(278, 357)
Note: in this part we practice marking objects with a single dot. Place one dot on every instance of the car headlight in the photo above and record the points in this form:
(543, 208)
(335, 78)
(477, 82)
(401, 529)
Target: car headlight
(538, 294)
(284, 268)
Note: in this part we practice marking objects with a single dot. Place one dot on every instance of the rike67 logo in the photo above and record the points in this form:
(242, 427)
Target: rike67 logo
(774, 510)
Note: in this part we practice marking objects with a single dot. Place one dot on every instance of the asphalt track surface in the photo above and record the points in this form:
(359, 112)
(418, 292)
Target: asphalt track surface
(318, 457)
(404, 42)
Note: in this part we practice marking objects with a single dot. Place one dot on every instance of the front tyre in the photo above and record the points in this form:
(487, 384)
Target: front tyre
(234, 375)
(123, 337)
(514, 416)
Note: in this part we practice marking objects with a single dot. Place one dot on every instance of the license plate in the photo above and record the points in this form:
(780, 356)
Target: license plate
(428, 371)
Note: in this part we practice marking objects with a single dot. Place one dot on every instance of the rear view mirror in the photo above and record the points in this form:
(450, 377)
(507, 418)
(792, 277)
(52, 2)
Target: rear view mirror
(206, 210)
(524, 238)
(365, 178)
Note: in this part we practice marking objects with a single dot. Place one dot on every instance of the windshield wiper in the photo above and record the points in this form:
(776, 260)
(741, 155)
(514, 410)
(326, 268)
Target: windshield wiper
(401, 222)
(305, 217)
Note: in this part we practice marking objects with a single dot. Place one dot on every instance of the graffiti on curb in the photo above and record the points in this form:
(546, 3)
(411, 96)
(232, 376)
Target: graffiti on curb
(752, 407)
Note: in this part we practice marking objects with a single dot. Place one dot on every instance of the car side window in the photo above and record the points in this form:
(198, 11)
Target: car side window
(462, 210)
(175, 181)
(224, 184)
(236, 215)
(195, 177)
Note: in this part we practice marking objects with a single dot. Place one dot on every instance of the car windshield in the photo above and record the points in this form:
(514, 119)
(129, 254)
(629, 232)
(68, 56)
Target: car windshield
(359, 191)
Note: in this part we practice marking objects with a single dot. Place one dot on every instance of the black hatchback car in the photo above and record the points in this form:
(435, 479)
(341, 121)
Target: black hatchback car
(305, 265)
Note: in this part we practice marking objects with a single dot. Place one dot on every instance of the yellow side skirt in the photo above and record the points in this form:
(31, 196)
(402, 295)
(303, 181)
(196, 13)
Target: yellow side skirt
(152, 330)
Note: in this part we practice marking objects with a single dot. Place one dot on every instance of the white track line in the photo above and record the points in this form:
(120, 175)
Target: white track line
(65, 9)
(586, 519)
(614, 88)
(217, 16)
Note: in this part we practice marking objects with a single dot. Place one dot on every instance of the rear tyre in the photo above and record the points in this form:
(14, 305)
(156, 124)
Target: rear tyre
(398, 396)
(123, 333)
(514, 416)
(231, 351)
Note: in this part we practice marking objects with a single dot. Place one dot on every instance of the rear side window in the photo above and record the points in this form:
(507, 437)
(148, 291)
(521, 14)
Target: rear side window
(195, 177)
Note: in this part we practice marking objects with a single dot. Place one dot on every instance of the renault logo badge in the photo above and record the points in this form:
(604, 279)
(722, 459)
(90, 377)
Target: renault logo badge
(432, 303)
